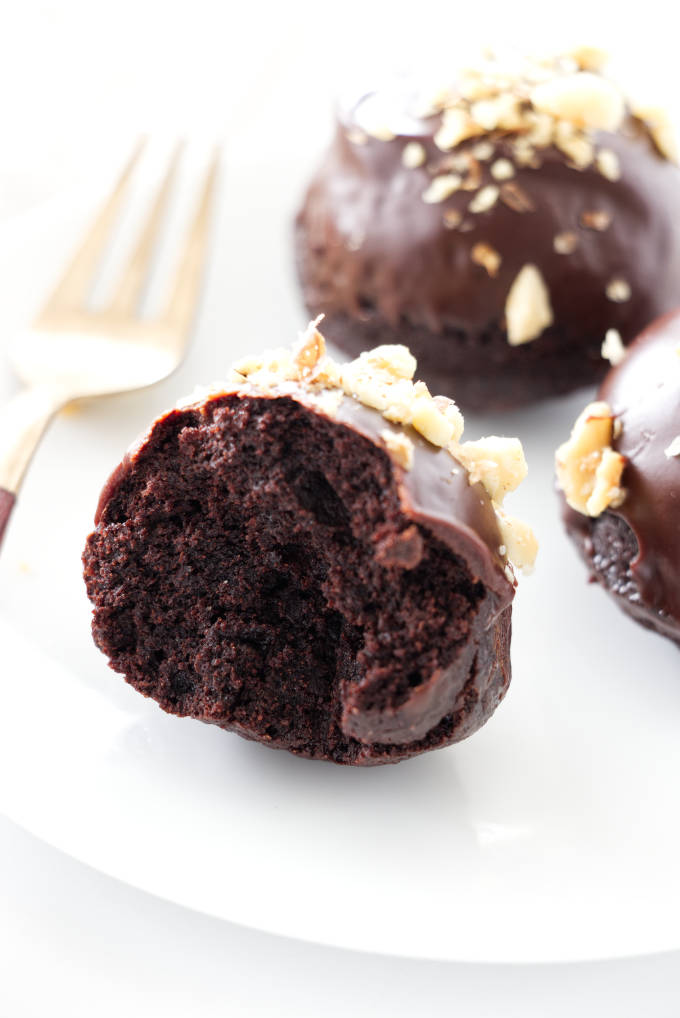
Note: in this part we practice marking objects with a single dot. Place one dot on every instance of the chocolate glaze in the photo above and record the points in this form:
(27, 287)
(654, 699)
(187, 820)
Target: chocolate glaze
(435, 494)
(644, 393)
(370, 248)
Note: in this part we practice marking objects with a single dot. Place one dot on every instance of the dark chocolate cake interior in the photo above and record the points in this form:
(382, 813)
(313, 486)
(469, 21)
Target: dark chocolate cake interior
(255, 569)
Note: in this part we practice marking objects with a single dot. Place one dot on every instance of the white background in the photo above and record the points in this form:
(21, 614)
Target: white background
(78, 80)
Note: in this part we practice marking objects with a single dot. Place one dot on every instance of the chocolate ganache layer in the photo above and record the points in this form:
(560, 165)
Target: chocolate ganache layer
(280, 558)
(632, 546)
(499, 229)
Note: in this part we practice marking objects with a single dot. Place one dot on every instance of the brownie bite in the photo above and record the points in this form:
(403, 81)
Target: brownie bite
(498, 227)
(620, 477)
(310, 556)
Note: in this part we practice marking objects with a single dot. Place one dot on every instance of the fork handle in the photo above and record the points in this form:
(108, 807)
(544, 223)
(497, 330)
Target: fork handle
(23, 422)
(7, 500)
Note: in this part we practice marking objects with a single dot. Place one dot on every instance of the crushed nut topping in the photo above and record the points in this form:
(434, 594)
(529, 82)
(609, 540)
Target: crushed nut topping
(483, 150)
(485, 199)
(596, 219)
(661, 129)
(613, 349)
(566, 243)
(400, 446)
(414, 155)
(502, 169)
(588, 469)
(589, 58)
(584, 99)
(383, 380)
(452, 218)
(519, 540)
(527, 308)
(529, 105)
(515, 198)
(440, 188)
(607, 162)
(618, 290)
(487, 257)
(457, 125)
(498, 463)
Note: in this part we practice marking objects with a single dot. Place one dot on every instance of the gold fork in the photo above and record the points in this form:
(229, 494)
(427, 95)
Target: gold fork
(72, 351)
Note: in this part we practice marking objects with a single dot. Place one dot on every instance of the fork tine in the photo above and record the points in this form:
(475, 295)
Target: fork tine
(181, 303)
(130, 286)
(72, 289)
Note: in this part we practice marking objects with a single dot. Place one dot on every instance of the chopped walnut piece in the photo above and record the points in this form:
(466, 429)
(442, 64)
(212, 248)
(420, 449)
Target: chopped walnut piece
(607, 162)
(473, 178)
(589, 58)
(457, 125)
(661, 129)
(541, 129)
(618, 290)
(483, 150)
(502, 169)
(588, 469)
(613, 349)
(527, 308)
(596, 219)
(413, 155)
(576, 147)
(428, 419)
(497, 463)
(607, 489)
(453, 415)
(309, 349)
(486, 256)
(584, 99)
(500, 112)
(525, 154)
(452, 218)
(248, 365)
(519, 541)
(472, 86)
(566, 243)
(400, 446)
(516, 198)
(395, 360)
(485, 199)
(441, 187)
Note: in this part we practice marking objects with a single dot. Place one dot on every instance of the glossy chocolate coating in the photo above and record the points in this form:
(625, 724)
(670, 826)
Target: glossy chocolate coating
(644, 394)
(370, 249)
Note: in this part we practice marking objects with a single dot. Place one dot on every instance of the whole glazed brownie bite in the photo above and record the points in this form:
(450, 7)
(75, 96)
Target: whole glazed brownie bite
(499, 227)
(620, 477)
(310, 556)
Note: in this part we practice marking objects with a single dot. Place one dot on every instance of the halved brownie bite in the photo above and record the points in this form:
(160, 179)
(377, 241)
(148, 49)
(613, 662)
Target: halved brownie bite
(310, 556)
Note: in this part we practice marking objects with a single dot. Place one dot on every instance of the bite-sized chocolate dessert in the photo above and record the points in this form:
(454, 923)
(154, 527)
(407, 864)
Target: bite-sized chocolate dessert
(620, 475)
(499, 227)
(311, 557)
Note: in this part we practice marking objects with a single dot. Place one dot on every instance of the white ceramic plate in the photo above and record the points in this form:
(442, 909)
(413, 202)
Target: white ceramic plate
(551, 835)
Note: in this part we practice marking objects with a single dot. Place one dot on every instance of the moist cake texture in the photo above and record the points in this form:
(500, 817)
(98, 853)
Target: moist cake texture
(286, 557)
